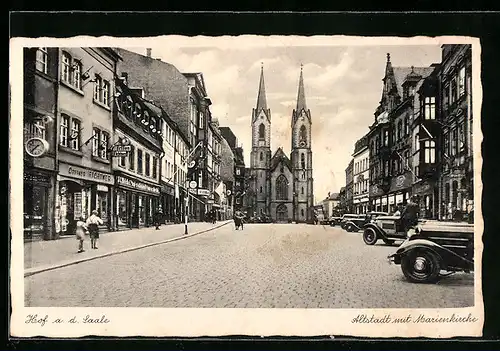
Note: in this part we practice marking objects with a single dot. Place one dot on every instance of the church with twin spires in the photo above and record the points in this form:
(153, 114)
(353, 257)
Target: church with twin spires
(280, 186)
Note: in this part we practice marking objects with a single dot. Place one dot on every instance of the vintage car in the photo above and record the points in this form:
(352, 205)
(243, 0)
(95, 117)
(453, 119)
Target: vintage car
(434, 247)
(357, 223)
(385, 227)
(349, 219)
(334, 220)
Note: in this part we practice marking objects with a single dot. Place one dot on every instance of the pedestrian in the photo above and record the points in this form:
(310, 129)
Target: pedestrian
(410, 214)
(158, 217)
(93, 225)
(81, 230)
(238, 220)
(399, 208)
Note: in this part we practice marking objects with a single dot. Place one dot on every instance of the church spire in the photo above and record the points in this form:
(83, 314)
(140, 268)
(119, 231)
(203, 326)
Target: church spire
(261, 98)
(301, 96)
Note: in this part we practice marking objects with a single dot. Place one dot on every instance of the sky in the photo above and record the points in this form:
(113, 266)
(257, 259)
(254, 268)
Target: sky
(343, 86)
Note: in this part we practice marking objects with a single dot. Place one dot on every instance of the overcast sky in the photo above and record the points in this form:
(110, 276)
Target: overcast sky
(342, 84)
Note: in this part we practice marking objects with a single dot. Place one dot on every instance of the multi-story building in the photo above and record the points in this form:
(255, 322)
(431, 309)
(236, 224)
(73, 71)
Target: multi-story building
(181, 186)
(215, 184)
(238, 190)
(85, 134)
(227, 177)
(361, 176)
(184, 98)
(426, 136)
(390, 140)
(41, 82)
(331, 205)
(349, 188)
(138, 125)
(456, 184)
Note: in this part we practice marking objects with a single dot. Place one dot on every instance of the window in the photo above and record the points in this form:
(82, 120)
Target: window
(454, 136)
(260, 189)
(386, 137)
(303, 133)
(302, 190)
(101, 90)
(201, 122)
(446, 96)
(302, 161)
(446, 143)
(302, 212)
(41, 60)
(400, 129)
(429, 151)
(95, 142)
(148, 165)
(238, 171)
(139, 161)
(131, 158)
(75, 134)
(261, 157)
(63, 139)
(461, 137)
(65, 69)
(37, 129)
(386, 168)
(430, 107)
(104, 145)
(453, 90)
(262, 132)
(281, 188)
(417, 139)
(461, 81)
(406, 126)
(77, 74)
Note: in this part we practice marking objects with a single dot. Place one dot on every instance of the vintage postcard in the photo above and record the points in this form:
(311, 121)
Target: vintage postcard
(250, 185)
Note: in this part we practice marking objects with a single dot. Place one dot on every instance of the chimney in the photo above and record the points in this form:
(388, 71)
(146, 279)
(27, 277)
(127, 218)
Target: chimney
(148, 52)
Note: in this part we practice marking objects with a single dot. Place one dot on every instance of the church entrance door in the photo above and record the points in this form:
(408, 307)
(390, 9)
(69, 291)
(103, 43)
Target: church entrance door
(281, 213)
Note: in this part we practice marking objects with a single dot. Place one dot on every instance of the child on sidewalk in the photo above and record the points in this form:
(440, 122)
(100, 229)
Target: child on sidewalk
(81, 229)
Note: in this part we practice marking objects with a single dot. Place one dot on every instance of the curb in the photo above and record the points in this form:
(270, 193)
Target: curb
(36, 270)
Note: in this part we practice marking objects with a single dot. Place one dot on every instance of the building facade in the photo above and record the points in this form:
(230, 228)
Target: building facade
(361, 176)
(390, 141)
(41, 82)
(331, 205)
(282, 186)
(85, 133)
(456, 186)
(138, 125)
(349, 188)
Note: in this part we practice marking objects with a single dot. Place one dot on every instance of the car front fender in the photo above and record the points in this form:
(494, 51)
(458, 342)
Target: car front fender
(376, 228)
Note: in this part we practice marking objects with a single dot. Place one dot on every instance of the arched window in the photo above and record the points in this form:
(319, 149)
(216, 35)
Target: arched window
(260, 189)
(302, 212)
(303, 161)
(303, 133)
(261, 156)
(400, 129)
(281, 188)
(302, 190)
(262, 131)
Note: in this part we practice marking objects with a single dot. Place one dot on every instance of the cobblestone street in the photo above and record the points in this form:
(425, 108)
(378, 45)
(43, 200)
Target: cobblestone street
(265, 265)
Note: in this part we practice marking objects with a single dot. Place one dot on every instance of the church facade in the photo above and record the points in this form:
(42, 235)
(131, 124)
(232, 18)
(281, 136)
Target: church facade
(281, 186)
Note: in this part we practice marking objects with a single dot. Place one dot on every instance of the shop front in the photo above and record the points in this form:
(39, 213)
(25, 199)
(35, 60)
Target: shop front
(168, 202)
(80, 191)
(136, 201)
(38, 192)
(361, 204)
(399, 193)
(427, 193)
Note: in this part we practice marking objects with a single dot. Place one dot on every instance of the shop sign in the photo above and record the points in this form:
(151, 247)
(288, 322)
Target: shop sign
(193, 191)
(85, 174)
(167, 189)
(401, 182)
(39, 179)
(137, 185)
(375, 190)
(103, 188)
(421, 188)
(203, 192)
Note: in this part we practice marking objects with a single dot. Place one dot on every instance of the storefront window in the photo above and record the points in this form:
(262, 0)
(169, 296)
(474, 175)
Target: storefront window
(121, 207)
(35, 201)
(102, 205)
(142, 210)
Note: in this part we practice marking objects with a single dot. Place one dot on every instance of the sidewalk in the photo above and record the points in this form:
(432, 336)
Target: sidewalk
(41, 256)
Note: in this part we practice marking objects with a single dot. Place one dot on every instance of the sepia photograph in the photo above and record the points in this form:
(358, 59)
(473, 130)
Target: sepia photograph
(198, 175)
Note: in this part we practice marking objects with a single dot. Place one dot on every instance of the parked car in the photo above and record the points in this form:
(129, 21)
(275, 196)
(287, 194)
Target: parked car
(357, 223)
(385, 227)
(435, 247)
(351, 221)
(334, 220)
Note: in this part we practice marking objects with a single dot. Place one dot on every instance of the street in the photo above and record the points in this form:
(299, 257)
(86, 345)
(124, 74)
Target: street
(263, 266)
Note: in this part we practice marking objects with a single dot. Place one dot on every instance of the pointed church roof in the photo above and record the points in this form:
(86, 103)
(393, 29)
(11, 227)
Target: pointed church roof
(301, 96)
(278, 157)
(261, 97)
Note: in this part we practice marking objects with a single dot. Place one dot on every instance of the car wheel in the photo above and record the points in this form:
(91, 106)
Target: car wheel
(421, 266)
(370, 236)
(388, 242)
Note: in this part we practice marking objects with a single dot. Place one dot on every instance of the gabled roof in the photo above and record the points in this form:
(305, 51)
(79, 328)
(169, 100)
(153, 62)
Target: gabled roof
(400, 74)
(278, 157)
(334, 196)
